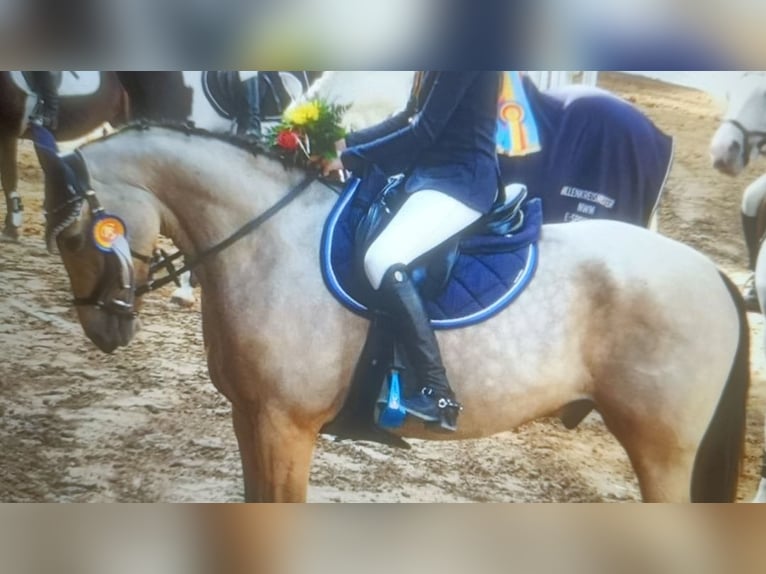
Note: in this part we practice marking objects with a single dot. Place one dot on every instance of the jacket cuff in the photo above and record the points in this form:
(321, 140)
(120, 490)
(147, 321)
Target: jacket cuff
(352, 161)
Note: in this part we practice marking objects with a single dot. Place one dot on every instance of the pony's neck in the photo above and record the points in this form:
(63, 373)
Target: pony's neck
(206, 188)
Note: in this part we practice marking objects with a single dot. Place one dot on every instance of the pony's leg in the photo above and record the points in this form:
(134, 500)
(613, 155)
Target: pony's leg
(10, 179)
(664, 468)
(184, 295)
(276, 454)
(665, 475)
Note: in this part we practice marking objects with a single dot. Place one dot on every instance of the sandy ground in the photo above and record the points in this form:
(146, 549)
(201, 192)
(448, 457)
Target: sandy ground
(147, 425)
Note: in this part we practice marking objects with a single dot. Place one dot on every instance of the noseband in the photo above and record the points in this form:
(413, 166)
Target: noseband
(752, 139)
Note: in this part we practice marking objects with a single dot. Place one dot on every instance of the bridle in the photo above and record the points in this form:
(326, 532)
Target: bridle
(160, 260)
(118, 261)
(753, 139)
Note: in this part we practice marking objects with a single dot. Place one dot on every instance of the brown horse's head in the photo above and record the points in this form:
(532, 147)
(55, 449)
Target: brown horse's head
(77, 223)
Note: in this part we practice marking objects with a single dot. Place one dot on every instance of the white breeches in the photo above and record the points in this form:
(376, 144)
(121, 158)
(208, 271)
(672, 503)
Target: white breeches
(426, 220)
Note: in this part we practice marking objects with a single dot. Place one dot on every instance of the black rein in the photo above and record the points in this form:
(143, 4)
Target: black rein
(243, 231)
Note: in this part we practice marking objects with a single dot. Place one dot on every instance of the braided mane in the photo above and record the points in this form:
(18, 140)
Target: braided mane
(254, 146)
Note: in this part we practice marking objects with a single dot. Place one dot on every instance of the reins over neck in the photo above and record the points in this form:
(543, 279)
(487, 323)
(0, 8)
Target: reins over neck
(242, 232)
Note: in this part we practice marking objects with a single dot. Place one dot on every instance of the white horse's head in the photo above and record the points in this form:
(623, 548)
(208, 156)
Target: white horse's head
(742, 134)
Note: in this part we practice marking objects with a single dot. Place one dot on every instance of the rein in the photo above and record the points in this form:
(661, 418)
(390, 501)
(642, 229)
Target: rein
(752, 139)
(248, 228)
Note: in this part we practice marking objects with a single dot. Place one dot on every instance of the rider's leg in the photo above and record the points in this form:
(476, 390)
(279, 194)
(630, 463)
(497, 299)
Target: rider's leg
(426, 220)
(45, 84)
(251, 124)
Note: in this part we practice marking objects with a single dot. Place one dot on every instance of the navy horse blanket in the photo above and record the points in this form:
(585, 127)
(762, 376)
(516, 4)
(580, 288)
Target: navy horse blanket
(601, 157)
(490, 271)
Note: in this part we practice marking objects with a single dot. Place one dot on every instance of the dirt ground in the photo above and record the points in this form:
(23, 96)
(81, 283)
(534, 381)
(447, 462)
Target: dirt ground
(147, 425)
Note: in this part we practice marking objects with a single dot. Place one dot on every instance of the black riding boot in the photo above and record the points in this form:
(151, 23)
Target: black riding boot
(753, 243)
(48, 107)
(251, 121)
(434, 400)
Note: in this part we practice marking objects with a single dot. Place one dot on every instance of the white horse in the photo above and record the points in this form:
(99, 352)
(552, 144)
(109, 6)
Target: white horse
(642, 328)
(740, 139)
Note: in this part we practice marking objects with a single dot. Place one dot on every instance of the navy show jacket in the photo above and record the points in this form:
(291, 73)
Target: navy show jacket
(444, 140)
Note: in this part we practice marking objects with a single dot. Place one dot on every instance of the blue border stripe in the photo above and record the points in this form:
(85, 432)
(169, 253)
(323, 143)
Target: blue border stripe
(336, 289)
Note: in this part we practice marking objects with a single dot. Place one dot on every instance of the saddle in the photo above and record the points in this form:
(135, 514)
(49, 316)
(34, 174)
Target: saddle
(226, 93)
(68, 83)
(432, 272)
(58, 78)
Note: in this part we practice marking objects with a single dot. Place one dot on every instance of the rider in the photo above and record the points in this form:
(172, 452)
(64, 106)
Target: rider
(251, 118)
(47, 109)
(445, 142)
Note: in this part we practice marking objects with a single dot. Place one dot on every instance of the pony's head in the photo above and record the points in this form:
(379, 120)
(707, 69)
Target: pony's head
(105, 235)
(742, 134)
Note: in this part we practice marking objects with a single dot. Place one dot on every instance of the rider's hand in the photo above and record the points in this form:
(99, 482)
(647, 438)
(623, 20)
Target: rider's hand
(330, 165)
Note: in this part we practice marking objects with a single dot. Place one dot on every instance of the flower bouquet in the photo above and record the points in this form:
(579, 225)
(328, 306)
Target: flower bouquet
(309, 130)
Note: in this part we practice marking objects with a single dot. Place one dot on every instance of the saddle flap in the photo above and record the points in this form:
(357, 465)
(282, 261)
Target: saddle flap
(68, 83)
(227, 92)
(223, 89)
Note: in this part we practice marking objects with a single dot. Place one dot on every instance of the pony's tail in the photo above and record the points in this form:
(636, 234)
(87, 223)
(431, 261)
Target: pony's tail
(717, 466)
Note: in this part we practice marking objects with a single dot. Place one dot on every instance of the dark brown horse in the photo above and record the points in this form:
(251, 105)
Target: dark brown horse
(157, 96)
(79, 115)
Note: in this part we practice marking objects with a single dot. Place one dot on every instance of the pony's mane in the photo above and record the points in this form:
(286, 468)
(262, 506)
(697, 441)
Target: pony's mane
(251, 145)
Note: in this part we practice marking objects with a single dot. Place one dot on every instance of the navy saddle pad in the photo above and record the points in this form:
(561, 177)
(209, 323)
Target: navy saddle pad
(491, 271)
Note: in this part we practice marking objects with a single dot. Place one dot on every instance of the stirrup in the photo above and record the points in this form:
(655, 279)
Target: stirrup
(389, 412)
(43, 118)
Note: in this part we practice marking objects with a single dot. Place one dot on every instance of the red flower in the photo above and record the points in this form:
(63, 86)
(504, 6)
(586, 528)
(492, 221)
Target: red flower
(289, 140)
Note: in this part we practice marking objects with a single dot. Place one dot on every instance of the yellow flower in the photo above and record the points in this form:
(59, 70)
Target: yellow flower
(303, 114)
